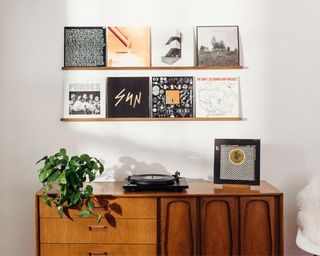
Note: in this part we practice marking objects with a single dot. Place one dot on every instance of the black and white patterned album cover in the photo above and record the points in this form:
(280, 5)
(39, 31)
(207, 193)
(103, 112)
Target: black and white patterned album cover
(172, 96)
(84, 98)
(128, 97)
(237, 161)
(84, 46)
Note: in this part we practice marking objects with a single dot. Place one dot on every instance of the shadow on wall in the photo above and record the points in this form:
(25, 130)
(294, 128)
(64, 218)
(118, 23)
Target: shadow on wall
(130, 166)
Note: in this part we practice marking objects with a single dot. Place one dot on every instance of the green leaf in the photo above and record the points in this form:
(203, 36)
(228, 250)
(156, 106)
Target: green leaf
(44, 173)
(88, 190)
(90, 206)
(62, 178)
(99, 217)
(46, 200)
(60, 211)
(53, 176)
(85, 158)
(75, 198)
(91, 175)
(73, 165)
(84, 214)
(63, 152)
(101, 168)
(44, 158)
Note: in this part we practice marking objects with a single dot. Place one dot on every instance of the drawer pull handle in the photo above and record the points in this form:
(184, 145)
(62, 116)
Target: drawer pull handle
(97, 253)
(91, 228)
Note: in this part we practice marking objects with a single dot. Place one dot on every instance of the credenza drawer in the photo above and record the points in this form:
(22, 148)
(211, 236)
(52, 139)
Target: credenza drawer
(97, 249)
(127, 231)
(120, 208)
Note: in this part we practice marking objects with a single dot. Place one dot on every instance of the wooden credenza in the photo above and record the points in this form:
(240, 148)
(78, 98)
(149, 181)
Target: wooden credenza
(203, 220)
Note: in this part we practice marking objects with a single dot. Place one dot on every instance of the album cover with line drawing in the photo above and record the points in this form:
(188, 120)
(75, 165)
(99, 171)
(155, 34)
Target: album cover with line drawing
(128, 97)
(217, 97)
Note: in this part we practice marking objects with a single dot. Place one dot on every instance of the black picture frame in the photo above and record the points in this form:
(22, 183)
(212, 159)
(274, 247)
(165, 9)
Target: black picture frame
(237, 63)
(103, 29)
(219, 157)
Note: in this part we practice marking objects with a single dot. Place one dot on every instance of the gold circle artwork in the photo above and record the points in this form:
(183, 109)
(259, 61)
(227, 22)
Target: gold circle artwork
(237, 156)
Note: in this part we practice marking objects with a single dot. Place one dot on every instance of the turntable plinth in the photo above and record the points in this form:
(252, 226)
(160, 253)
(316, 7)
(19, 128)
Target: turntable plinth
(202, 220)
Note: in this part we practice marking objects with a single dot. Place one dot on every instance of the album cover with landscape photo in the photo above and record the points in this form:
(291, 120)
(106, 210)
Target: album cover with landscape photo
(172, 96)
(128, 46)
(218, 46)
(128, 97)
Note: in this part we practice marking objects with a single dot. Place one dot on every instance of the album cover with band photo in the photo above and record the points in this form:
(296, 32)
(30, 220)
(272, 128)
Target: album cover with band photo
(237, 161)
(84, 97)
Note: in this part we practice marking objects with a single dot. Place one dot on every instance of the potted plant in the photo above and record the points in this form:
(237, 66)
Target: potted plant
(64, 184)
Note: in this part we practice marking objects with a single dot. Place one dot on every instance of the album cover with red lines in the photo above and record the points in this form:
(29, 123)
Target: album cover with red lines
(128, 46)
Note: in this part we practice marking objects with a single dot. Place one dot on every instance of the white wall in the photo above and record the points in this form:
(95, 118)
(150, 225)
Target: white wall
(280, 99)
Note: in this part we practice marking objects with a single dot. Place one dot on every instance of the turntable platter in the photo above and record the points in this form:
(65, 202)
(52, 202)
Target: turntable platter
(152, 179)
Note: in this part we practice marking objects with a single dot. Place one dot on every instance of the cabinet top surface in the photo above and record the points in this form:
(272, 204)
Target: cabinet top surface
(196, 188)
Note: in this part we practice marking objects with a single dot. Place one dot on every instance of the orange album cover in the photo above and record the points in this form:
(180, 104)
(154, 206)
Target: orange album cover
(128, 46)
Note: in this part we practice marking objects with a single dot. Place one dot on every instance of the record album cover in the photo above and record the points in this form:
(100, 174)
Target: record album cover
(217, 97)
(172, 96)
(218, 46)
(128, 97)
(128, 46)
(172, 46)
(84, 98)
(84, 46)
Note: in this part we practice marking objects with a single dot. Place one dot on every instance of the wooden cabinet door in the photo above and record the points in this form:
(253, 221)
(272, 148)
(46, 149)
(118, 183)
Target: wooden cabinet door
(257, 229)
(219, 226)
(178, 226)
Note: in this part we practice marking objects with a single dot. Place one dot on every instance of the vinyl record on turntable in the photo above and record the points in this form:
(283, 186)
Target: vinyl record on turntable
(237, 161)
(152, 179)
(150, 182)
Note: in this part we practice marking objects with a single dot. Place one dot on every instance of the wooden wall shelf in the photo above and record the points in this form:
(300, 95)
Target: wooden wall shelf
(153, 68)
(150, 119)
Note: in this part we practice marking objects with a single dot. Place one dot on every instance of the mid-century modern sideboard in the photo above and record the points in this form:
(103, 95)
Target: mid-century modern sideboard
(203, 220)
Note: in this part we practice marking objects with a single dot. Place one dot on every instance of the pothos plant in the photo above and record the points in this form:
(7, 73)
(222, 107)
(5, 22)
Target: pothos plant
(64, 184)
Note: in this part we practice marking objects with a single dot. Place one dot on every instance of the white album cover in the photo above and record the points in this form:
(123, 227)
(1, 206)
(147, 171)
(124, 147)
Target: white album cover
(84, 98)
(217, 97)
(172, 46)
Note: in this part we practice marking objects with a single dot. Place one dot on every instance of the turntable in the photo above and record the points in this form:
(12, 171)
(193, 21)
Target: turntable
(151, 182)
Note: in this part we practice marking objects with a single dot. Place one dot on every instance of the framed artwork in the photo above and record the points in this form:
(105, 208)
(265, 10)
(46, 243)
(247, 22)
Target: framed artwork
(84, 46)
(218, 46)
(128, 97)
(217, 97)
(84, 98)
(172, 46)
(128, 46)
(237, 161)
(172, 96)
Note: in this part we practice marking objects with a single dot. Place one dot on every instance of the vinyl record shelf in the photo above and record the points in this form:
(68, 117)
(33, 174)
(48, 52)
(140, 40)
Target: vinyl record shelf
(155, 68)
(151, 119)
